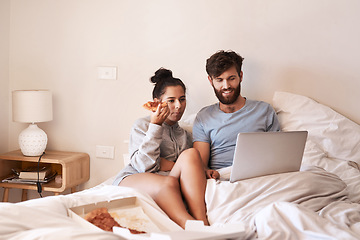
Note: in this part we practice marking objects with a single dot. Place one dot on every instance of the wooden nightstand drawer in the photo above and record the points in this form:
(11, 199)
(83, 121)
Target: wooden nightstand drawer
(73, 167)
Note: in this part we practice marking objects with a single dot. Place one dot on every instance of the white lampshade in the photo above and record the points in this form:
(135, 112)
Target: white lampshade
(32, 106)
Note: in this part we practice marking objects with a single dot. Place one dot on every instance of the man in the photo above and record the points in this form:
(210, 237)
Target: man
(216, 126)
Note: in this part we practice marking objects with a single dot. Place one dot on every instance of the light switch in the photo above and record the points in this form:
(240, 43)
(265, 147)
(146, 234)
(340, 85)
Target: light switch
(107, 73)
(105, 152)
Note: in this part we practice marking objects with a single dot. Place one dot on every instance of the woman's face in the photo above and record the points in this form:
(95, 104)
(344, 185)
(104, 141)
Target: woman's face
(176, 100)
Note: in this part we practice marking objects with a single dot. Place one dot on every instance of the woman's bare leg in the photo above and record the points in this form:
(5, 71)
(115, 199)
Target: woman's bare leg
(190, 170)
(165, 190)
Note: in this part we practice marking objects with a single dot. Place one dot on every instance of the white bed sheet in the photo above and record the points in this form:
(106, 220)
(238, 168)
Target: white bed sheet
(47, 218)
(299, 205)
(320, 202)
(304, 204)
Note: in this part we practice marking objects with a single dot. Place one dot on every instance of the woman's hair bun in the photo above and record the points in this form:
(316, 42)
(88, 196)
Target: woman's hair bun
(161, 74)
(162, 79)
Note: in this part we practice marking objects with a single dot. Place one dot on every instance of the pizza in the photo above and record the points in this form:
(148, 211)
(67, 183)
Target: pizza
(101, 218)
(152, 106)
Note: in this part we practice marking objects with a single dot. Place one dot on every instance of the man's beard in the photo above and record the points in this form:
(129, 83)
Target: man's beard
(231, 99)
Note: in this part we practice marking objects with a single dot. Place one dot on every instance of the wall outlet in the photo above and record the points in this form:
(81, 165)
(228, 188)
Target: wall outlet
(107, 73)
(105, 152)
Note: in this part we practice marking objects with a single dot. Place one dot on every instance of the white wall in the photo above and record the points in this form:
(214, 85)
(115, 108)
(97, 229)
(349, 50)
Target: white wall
(4, 73)
(306, 47)
(4, 76)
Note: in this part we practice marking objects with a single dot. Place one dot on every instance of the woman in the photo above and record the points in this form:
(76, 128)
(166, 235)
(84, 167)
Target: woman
(162, 163)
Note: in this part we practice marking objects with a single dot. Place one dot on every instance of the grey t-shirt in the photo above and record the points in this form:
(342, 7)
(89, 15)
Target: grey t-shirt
(220, 129)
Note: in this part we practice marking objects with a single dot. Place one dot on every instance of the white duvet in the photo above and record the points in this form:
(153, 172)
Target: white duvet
(300, 205)
(320, 202)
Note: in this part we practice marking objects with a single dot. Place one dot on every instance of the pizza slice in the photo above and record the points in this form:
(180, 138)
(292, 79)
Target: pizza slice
(152, 106)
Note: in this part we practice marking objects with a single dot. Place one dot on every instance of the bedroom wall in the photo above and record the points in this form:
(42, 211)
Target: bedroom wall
(4, 74)
(4, 77)
(305, 47)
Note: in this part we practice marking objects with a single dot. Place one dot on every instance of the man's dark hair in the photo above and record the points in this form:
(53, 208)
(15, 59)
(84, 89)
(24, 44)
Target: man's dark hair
(222, 61)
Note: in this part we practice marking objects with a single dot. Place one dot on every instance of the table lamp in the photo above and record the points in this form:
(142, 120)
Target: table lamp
(32, 106)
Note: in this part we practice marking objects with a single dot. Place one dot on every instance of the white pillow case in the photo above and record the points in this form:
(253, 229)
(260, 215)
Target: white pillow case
(337, 136)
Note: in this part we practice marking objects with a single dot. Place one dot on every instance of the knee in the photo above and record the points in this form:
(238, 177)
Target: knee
(169, 184)
(192, 152)
(190, 155)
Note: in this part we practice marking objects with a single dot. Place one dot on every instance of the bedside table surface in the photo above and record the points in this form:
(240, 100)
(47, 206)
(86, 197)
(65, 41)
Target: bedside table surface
(49, 156)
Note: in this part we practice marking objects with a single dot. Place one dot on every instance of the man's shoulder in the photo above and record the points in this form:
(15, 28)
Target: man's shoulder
(252, 101)
(207, 109)
(205, 113)
(257, 103)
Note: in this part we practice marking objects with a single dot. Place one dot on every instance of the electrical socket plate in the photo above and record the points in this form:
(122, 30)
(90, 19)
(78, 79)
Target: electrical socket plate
(107, 73)
(105, 152)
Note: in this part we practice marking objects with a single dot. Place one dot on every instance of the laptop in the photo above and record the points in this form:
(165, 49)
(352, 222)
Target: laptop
(265, 153)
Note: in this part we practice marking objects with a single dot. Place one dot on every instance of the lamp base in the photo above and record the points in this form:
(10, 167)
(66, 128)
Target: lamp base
(32, 141)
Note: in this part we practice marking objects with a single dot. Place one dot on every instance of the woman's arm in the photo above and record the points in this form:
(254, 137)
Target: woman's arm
(144, 146)
(145, 140)
(166, 165)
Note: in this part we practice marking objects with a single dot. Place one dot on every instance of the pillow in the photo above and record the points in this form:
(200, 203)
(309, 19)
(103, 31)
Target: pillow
(336, 135)
(187, 122)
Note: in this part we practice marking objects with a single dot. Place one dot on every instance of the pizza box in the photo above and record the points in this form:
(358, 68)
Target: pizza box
(194, 230)
(129, 212)
(132, 213)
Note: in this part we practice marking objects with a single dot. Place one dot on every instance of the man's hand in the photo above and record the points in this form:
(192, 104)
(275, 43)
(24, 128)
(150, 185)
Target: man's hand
(210, 173)
(166, 165)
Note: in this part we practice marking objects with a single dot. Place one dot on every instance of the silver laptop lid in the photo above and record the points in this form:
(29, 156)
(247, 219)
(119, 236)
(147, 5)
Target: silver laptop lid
(264, 153)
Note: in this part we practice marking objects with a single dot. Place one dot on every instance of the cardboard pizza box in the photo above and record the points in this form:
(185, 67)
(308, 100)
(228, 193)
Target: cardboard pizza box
(132, 213)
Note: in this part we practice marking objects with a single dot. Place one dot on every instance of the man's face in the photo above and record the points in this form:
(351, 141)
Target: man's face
(227, 86)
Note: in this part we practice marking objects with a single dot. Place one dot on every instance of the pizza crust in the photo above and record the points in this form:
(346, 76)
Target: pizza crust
(152, 106)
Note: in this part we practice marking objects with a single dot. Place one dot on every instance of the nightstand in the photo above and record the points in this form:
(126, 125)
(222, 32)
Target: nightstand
(73, 167)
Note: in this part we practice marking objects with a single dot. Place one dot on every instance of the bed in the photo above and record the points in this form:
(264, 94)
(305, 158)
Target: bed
(322, 201)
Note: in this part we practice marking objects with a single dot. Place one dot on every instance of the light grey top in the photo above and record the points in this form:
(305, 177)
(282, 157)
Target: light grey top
(148, 142)
(220, 129)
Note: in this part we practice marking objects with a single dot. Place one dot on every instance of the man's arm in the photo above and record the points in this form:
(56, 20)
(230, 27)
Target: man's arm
(204, 150)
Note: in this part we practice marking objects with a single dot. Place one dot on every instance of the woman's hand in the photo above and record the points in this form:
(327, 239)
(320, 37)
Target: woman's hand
(166, 165)
(160, 115)
(210, 173)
